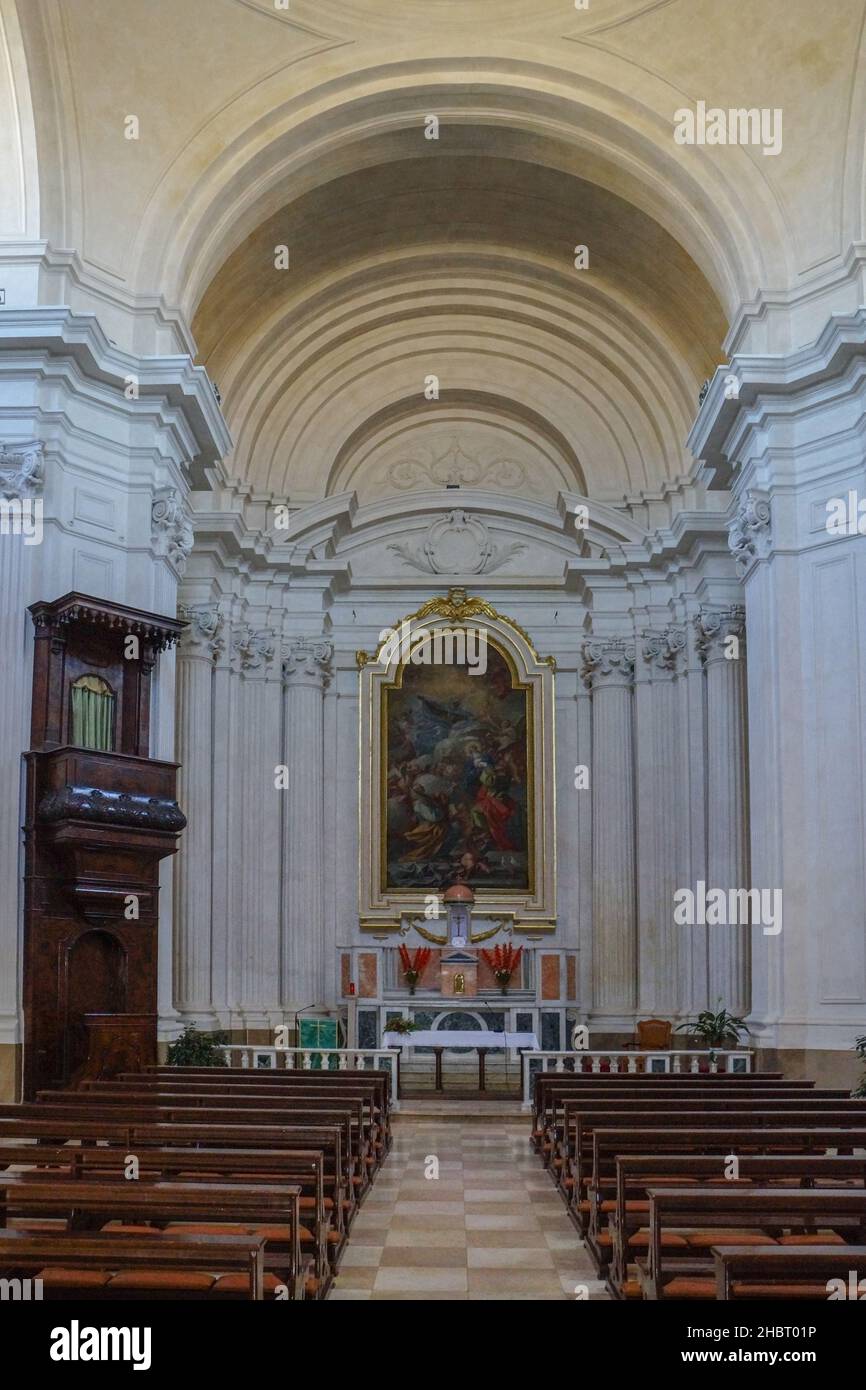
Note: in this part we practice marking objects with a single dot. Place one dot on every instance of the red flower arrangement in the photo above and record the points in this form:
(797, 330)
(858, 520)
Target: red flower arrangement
(413, 966)
(503, 961)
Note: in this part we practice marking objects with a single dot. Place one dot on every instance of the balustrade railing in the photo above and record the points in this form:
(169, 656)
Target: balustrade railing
(264, 1058)
(631, 1060)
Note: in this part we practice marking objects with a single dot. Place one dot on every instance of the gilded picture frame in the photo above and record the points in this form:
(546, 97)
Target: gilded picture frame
(498, 787)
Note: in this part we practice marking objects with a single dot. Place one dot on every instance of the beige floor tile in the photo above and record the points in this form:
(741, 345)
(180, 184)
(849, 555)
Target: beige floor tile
(419, 1296)
(357, 1256)
(499, 1209)
(511, 1195)
(368, 1234)
(510, 1257)
(432, 1222)
(505, 1281)
(512, 1297)
(439, 1207)
(436, 1190)
(422, 1236)
(566, 1239)
(487, 1222)
(495, 1240)
(355, 1278)
(415, 1279)
(424, 1257)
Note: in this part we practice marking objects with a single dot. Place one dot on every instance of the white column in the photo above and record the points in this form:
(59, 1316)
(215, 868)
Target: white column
(193, 866)
(256, 944)
(306, 669)
(609, 671)
(21, 481)
(661, 831)
(721, 636)
(227, 902)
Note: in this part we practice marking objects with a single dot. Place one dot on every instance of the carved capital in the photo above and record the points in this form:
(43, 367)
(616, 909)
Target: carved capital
(608, 661)
(251, 649)
(171, 527)
(714, 626)
(307, 661)
(22, 470)
(662, 650)
(203, 636)
(750, 532)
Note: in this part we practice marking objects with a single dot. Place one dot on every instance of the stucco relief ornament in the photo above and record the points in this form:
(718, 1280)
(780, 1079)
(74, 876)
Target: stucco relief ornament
(454, 467)
(608, 660)
(714, 626)
(457, 543)
(662, 649)
(308, 659)
(749, 536)
(22, 469)
(205, 627)
(252, 649)
(171, 526)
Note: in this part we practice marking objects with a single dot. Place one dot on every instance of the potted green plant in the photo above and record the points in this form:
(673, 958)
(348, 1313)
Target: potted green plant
(719, 1029)
(196, 1049)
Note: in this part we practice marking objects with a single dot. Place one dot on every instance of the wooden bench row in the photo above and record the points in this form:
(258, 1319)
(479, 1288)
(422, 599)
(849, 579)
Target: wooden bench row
(648, 1176)
(249, 1186)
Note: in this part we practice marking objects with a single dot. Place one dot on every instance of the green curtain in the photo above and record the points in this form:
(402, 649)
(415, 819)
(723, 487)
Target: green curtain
(92, 714)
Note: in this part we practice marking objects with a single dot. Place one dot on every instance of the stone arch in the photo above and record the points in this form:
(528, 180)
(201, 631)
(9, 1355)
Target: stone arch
(731, 225)
(19, 169)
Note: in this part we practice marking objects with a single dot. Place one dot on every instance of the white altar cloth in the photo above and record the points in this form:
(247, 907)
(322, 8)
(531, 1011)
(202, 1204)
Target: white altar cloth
(478, 1037)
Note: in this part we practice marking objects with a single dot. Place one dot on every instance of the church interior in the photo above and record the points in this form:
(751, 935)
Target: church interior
(433, 610)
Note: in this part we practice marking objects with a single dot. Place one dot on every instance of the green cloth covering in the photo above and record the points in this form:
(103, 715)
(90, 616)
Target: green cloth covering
(318, 1032)
(92, 714)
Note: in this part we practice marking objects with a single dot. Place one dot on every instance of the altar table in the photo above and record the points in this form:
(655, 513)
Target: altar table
(480, 1038)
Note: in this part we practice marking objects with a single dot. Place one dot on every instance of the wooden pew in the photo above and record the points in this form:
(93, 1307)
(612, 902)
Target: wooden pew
(380, 1079)
(137, 1137)
(576, 1164)
(614, 1222)
(788, 1272)
(352, 1084)
(555, 1121)
(81, 1203)
(365, 1129)
(304, 1167)
(693, 1215)
(362, 1103)
(72, 1265)
(377, 1082)
(547, 1083)
(79, 1105)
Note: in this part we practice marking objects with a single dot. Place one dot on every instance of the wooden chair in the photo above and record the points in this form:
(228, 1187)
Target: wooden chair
(652, 1034)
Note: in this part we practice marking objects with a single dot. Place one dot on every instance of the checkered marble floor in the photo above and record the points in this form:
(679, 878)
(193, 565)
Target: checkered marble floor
(491, 1226)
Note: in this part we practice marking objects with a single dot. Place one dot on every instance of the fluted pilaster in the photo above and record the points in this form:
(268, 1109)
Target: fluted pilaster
(21, 481)
(199, 649)
(721, 642)
(609, 673)
(257, 946)
(306, 670)
(661, 831)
